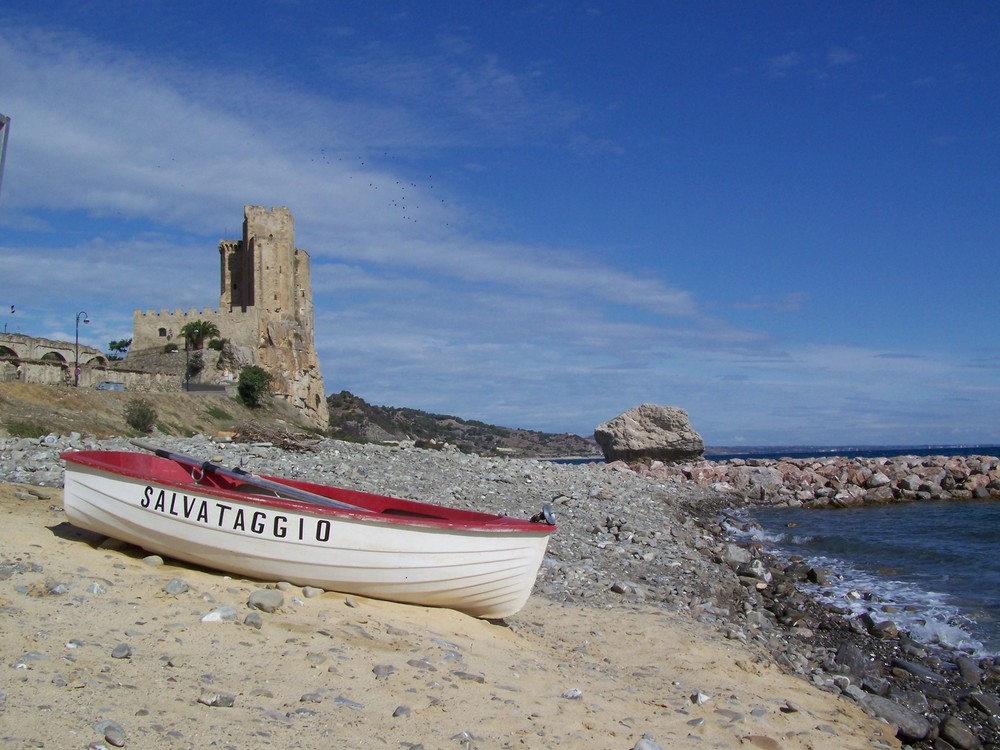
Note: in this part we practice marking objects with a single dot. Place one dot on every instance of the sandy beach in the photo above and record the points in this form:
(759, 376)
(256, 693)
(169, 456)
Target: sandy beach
(97, 653)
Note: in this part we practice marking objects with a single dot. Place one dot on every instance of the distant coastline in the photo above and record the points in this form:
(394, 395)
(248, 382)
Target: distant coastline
(726, 453)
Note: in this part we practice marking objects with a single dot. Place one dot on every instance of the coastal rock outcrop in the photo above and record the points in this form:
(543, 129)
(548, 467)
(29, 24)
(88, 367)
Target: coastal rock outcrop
(650, 432)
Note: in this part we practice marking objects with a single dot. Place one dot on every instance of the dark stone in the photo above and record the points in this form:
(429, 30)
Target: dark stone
(987, 704)
(910, 726)
(956, 733)
(819, 576)
(797, 571)
(885, 629)
(969, 670)
(876, 684)
(851, 658)
(911, 699)
(917, 669)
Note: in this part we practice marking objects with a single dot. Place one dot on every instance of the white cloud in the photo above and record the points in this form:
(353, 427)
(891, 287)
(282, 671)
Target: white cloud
(124, 171)
(841, 56)
(780, 65)
(457, 89)
(789, 302)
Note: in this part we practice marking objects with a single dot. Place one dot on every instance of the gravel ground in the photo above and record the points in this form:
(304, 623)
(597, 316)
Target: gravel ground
(627, 541)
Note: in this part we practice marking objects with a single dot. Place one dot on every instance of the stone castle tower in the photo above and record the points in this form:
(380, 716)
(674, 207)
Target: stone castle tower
(265, 311)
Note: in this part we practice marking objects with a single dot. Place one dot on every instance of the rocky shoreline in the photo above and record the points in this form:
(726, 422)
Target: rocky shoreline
(841, 482)
(662, 536)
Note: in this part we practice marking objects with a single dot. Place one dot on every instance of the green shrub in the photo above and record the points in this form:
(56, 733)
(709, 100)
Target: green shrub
(26, 429)
(196, 363)
(220, 414)
(217, 344)
(140, 415)
(254, 384)
(171, 347)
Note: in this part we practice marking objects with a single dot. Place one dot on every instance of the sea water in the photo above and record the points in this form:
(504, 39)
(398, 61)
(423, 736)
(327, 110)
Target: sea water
(933, 568)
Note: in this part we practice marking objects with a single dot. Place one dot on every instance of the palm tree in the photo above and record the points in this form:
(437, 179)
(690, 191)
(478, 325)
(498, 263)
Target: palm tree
(197, 331)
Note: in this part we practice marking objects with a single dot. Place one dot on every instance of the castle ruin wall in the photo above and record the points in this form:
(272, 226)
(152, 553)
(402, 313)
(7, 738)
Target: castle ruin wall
(265, 310)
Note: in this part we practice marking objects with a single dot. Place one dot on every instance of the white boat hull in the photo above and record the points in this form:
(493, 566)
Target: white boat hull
(483, 573)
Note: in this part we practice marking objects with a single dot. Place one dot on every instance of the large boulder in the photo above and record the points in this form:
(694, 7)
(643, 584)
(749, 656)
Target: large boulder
(650, 432)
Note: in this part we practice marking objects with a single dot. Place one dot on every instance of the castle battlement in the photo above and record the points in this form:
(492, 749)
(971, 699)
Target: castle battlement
(192, 312)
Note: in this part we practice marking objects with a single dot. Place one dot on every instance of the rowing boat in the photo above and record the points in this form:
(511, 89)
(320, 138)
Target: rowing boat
(279, 529)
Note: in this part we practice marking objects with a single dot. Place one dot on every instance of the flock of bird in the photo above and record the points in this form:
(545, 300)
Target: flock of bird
(398, 198)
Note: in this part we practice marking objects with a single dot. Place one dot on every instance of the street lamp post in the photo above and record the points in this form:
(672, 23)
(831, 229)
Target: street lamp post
(76, 364)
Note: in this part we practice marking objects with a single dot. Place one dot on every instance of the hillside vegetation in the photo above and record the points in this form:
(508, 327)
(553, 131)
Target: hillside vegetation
(30, 410)
(352, 418)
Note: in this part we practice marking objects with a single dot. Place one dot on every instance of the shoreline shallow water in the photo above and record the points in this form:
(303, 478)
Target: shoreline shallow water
(930, 566)
(641, 572)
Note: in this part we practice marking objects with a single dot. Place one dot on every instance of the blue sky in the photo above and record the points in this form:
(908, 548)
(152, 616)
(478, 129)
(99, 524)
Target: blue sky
(782, 217)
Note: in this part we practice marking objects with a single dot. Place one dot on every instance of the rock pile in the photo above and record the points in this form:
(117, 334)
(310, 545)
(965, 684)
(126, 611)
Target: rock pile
(841, 482)
(934, 698)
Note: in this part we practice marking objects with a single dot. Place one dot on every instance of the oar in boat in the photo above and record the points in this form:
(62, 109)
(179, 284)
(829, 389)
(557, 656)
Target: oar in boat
(292, 493)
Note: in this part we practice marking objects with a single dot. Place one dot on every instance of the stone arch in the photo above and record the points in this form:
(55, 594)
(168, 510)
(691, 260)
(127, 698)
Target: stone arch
(53, 357)
(10, 364)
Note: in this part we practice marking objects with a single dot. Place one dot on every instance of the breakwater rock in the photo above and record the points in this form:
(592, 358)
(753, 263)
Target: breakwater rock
(838, 481)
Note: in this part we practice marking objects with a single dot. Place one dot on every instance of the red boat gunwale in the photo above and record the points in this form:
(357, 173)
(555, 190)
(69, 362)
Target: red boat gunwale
(167, 473)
